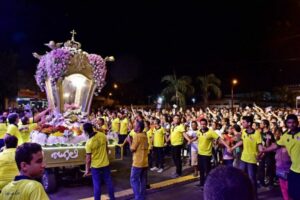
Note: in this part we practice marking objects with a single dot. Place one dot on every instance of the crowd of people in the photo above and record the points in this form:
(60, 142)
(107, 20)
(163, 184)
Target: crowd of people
(263, 143)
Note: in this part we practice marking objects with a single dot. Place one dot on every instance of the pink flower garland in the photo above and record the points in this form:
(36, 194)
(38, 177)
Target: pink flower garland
(55, 64)
(99, 70)
(41, 73)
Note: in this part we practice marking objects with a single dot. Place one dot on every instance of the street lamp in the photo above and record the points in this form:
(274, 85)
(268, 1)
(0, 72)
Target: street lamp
(116, 86)
(193, 100)
(159, 102)
(233, 83)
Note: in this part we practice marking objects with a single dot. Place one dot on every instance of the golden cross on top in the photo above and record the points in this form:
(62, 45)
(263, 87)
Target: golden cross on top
(73, 34)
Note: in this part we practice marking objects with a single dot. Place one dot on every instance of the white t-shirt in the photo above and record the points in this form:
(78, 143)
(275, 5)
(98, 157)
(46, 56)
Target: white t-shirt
(219, 132)
(194, 145)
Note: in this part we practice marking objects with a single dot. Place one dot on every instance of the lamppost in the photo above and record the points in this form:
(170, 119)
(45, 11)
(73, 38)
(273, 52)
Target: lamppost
(116, 86)
(159, 103)
(233, 83)
(193, 100)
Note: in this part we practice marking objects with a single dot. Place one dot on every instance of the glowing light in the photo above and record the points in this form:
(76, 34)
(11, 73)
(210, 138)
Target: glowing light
(116, 86)
(77, 80)
(66, 95)
(159, 100)
(234, 81)
(193, 100)
(110, 94)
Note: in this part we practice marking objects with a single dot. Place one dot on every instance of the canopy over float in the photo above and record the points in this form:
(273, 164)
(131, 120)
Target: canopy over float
(70, 76)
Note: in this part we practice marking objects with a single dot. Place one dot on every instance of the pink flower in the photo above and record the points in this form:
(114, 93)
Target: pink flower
(54, 65)
(99, 70)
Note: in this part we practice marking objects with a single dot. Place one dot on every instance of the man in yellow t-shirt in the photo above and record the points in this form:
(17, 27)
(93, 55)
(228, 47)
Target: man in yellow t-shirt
(291, 141)
(8, 166)
(124, 125)
(176, 138)
(29, 159)
(139, 147)
(124, 122)
(12, 129)
(3, 129)
(26, 128)
(101, 126)
(97, 161)
(252, 146)
(159, 135)
(115, 123)
(205, 137)
(149, 133)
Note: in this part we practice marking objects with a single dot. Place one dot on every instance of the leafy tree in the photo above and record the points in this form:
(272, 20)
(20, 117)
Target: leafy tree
(177, 89)
(209, 84)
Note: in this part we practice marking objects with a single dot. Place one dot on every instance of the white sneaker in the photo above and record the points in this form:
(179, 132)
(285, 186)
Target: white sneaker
(153, 169)
(160, 170)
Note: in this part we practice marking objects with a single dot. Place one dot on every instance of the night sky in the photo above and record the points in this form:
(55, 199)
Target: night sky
(257, 42)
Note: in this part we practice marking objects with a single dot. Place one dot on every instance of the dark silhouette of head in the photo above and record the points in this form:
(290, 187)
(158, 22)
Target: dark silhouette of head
(228, 183)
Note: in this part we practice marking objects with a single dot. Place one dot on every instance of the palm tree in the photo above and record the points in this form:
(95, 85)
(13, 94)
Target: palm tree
(209, 84)
(177, 88)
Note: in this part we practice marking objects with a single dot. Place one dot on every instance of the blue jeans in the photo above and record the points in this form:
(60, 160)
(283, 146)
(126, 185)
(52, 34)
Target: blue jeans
(138, 179)
(250, 169)
(97, 175)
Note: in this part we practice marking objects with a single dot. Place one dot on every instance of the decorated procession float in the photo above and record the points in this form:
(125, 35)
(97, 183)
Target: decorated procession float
(70, 77)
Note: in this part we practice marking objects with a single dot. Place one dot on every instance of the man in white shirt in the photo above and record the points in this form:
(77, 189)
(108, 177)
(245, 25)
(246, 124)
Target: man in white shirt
(189, 135)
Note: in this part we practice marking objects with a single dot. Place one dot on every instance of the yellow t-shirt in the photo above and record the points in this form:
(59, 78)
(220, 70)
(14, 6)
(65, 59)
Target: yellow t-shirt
(115, 125)
(97, 147)
(124, 126)
(132, 133)
(159, 137)
(140, 155)
(149, 137)
(177, 135)
(205, 142)
(8, 167)
(293, 147)
(105, 118)
(3, 129)
(250, 149)
(13, 130)
(23, 189)
(25, 133)
(104, 128)
(30, 122)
